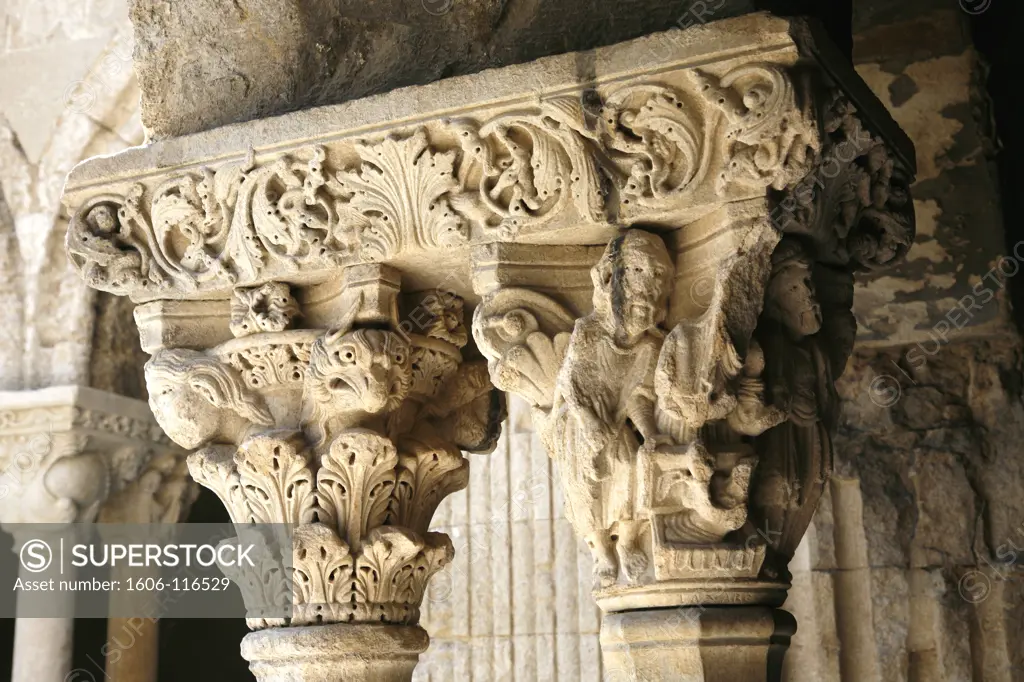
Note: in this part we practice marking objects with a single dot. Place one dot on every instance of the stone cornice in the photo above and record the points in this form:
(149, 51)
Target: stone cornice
(66, 408)
(661, 131)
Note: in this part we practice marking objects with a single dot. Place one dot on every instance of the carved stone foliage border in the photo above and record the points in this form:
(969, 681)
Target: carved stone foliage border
(647, 150)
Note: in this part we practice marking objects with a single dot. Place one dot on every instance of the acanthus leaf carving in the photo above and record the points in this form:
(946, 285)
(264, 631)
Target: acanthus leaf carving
(427, 474)
(190, 207)
(393, 569)
(276, 480)
(637, 154)
(272, 365)
(402, 190)
(666, 145)
(322, 573)
(214, 468)
(355, 482)
(771, 132)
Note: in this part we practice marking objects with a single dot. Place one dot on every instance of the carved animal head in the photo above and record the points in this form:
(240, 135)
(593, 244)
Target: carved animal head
(183, 386)
(366, 371)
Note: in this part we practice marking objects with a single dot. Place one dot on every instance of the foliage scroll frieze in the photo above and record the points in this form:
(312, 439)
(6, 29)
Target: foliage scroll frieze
(636, 151)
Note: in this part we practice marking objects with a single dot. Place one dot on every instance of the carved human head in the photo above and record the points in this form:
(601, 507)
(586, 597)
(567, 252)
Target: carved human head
(184, 384)
(631, 283)
(791, 299)
(102, 219)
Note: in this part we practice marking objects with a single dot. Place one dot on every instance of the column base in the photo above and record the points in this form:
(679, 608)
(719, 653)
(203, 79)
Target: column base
(695, 644)
(329, 653)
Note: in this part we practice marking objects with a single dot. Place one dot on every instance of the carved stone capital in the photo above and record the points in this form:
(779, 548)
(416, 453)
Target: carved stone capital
(686, 387)
(69, 452)
(692, 456)
(657, 254)
(351, 432)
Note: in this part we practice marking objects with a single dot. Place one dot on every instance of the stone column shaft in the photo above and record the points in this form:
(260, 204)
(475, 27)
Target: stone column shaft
(381, 653)
(716, 644)
(42, 649)
(137, 662)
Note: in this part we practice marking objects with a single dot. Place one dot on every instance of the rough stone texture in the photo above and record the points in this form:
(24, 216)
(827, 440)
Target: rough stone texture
(922, 66)
(918, 582)
(205, 63)
(928, 484)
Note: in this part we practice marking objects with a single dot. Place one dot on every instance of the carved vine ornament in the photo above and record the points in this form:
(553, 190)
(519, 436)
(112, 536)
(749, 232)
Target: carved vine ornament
(646, 151)
(691, 457)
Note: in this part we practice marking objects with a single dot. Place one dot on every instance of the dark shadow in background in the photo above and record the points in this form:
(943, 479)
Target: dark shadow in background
(203, 649)
(997, 34)
(191, 649)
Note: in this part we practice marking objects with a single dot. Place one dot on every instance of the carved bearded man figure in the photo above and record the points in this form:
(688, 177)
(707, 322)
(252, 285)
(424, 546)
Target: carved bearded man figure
(605, 394)
(796, 456)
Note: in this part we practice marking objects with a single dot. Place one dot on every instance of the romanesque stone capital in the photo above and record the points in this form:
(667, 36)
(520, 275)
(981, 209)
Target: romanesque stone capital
(333, 417)
(656, 241)
(72, 454)
(690, 403)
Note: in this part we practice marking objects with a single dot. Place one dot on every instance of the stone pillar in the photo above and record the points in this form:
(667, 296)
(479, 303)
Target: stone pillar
(42, 646)
(658, 257)
(42, 649)
(160, 494)
(73, 455)
(138, 662)
(696, 644)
